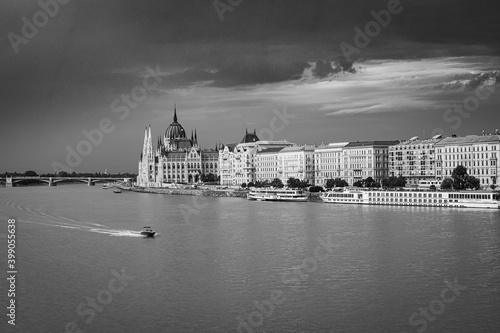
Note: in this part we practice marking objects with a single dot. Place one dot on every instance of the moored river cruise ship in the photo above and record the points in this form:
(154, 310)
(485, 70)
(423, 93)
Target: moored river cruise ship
(266, 194)
(465, 199)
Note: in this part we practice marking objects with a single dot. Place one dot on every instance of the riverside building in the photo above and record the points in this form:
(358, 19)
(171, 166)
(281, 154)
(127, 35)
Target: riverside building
(478, 153)
(266, 164)
(237, 161)
(414, 159)
(176, 158)
(366, 159)
(328, 162)
(296, 162)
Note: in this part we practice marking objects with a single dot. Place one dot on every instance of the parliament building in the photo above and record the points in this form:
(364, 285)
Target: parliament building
(175, 159)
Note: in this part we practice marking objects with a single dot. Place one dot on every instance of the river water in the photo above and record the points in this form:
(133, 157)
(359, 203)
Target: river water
(232, 265)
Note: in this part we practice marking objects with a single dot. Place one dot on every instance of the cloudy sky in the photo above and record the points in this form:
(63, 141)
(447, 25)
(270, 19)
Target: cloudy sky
(235, 64)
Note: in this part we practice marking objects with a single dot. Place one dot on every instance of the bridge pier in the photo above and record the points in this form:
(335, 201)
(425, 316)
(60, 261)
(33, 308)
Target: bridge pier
(90, 182)
(8, 182)
(51, 182)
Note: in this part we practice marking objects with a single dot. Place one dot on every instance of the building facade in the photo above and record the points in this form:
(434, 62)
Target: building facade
(266, 164)
(296, 162)
(176, 158)
(366, 159)
(237, 161)
(414, 159)
(478, 153)
(328, 162)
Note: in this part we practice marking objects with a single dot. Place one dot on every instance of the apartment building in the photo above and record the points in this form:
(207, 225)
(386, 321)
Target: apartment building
(296, 162)
(478, 153)
(328, 162)
(366, 159)
(414, 159)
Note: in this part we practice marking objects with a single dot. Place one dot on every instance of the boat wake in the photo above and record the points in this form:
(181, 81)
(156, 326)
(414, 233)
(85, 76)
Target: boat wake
(117, 233)
(33, 216)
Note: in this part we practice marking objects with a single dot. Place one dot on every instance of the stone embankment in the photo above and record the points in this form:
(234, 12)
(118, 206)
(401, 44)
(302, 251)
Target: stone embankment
(176, 191)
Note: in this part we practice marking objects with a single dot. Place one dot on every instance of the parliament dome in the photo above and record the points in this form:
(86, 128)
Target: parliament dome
(175, 130)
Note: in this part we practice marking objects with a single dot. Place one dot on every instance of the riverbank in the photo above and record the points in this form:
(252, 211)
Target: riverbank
(314, 197)
(203, 192)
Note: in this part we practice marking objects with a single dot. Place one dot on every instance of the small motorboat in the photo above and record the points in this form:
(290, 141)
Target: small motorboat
(104, 187)
(117, 191)
(148, 232)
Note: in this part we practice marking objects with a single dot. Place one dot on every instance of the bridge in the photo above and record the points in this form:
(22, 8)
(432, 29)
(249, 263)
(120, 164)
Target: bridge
(52, 181)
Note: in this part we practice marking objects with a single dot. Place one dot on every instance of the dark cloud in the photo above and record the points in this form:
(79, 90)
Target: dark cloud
(258, 72)
(323, 69)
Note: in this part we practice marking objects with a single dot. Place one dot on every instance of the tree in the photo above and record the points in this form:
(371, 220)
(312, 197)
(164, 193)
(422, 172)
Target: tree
(30, 173)
(401, 181)
(337, 182)
(303, 184)
(244, 185)
(459, 177)
(493, 187)
(276, 182)
(358, 183)
(250, 184)
(264, 183)
(432, 187)
(447, 184)
(293, 182)
(208, 178)
(369, 182)
(394, 182)
(316, 189)
(472, 183)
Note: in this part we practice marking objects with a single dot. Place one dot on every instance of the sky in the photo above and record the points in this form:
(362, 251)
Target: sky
(80, 80)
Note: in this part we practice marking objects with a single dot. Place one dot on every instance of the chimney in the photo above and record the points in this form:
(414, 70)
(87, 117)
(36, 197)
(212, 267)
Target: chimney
(497, 131)
(484, 133)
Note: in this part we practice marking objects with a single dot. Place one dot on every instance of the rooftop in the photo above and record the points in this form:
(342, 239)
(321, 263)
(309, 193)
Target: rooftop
(418, 141)
(299, 148)
(270, 150)
(371, 143)
(469, 139)
(250, 137)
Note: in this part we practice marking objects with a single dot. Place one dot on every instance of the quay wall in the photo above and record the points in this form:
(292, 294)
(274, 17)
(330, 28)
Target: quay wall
(170, 191)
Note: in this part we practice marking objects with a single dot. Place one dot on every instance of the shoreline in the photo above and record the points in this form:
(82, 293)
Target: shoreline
(313, 197)
(192, 192)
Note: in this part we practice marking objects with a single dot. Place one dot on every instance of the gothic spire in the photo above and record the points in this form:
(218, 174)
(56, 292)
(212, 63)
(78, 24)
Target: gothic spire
(175, 113)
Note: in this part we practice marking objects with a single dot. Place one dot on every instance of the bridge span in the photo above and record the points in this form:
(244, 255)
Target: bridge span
(52, 181)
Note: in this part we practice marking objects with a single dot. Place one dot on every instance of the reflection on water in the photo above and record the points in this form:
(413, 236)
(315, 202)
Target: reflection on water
(212, 269)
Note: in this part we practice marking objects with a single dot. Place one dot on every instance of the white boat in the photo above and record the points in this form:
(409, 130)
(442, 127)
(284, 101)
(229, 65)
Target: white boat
(463, 199)
(148, 232)
(117, 190)
(267, 194)
(104, 187)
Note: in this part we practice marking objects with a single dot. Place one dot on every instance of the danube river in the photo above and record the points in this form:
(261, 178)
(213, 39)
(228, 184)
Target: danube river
(232, 265)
